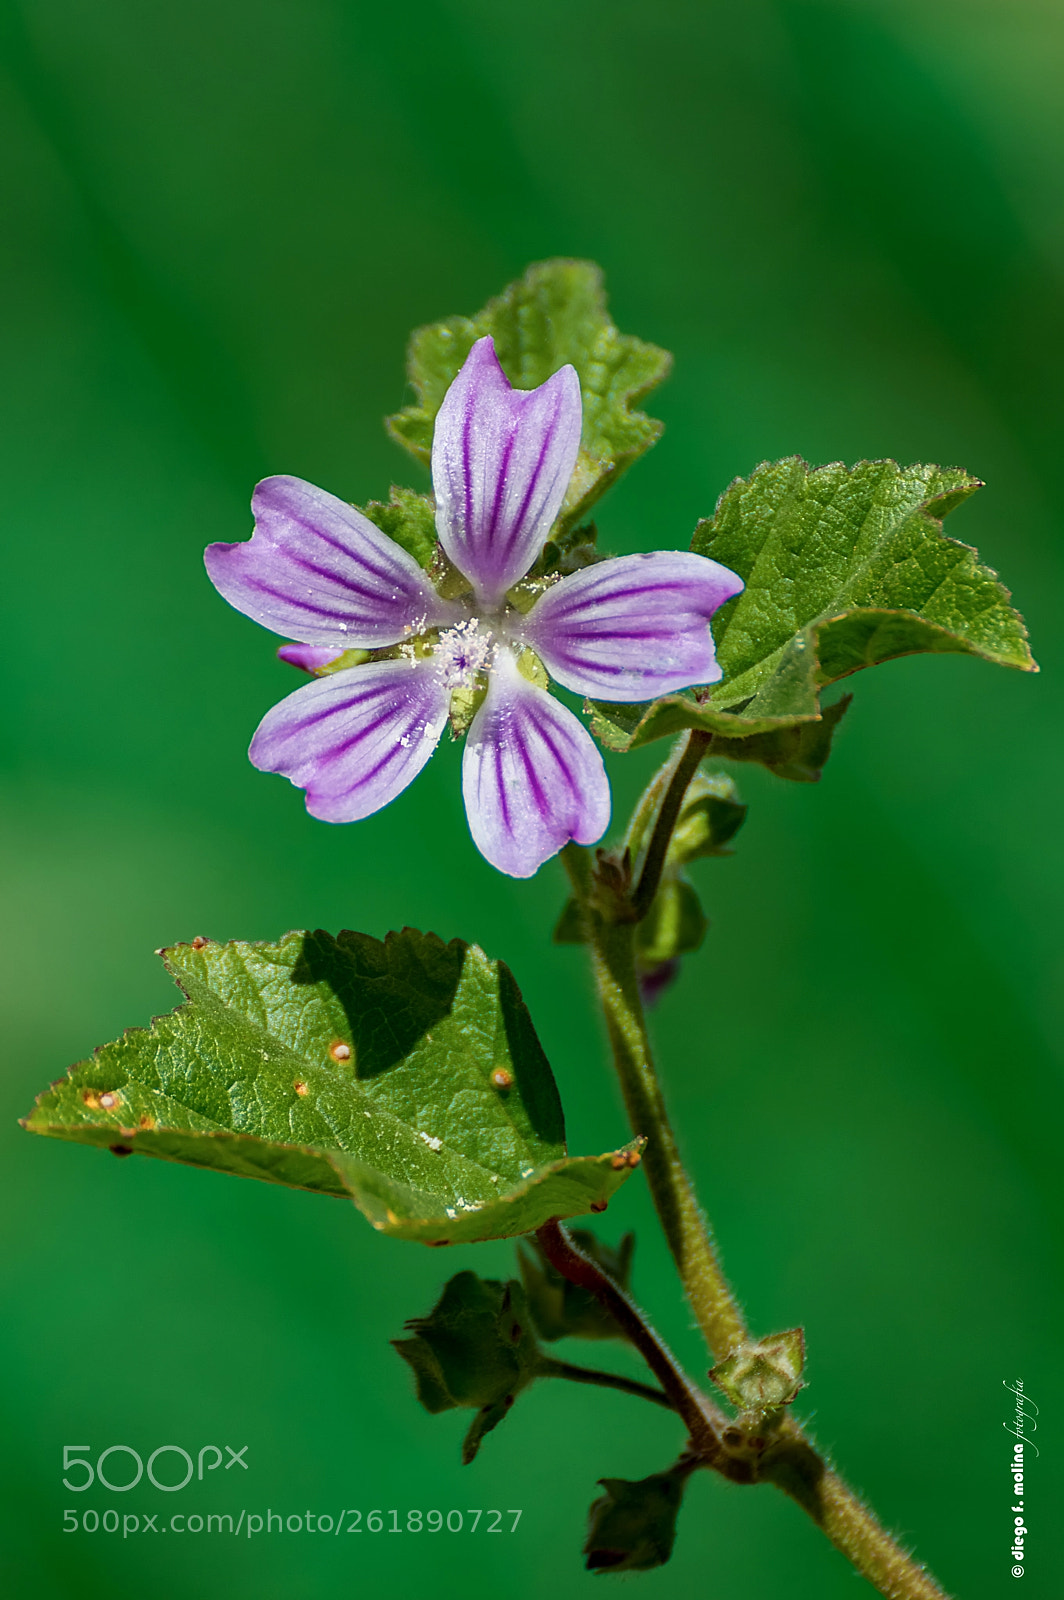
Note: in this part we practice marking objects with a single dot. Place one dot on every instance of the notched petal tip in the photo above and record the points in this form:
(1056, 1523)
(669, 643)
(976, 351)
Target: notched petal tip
(319, 571)
(502, 459)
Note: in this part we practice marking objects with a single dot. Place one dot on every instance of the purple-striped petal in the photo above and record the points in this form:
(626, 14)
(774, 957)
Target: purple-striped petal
(532, 777)
(319, 571)
(355, 739)
(309, 657)
(631, 628)
(502, 459)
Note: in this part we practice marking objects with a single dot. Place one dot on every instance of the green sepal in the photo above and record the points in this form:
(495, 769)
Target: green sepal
(764, 1373)
(404, 1075)
(409, 518)
(632, 1527)
(476, 1349)
(845, 567)
(569, 928)
(554, 314)
(563, 1310)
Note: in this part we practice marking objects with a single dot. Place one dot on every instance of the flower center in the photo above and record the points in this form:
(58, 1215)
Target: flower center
(462, 652)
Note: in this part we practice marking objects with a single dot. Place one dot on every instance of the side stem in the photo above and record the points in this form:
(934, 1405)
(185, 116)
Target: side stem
(549, 1368)
(701, 1417)
(613, 960)
(686, 767)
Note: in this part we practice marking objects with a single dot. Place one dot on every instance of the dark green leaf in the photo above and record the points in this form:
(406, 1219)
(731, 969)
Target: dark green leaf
(632, 1527)
(476, 1349)
(563, 1310)
(556, 313)
(406, 1075)
(844, 567)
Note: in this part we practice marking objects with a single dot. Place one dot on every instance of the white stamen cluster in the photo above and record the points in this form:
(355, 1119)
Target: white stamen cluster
(462, 652)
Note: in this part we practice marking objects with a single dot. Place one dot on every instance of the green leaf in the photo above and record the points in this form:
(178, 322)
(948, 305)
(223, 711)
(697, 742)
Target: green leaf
(475, 1349)
(844, 567)
(563, 1310)
(556, 313)
(632, 1527)
(406, 1075)
(409, 518)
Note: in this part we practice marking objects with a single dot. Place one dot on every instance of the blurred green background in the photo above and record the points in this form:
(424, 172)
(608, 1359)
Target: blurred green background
(221, 220)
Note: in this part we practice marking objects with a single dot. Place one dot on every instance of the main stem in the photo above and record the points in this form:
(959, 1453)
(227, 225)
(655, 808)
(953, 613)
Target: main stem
(790, 1461)
(796, 1467)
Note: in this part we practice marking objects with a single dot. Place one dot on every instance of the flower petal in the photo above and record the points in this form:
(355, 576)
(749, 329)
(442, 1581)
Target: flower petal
(355, 739)
(631, 628)
(532, 777)
(319, 571)
(502, 459)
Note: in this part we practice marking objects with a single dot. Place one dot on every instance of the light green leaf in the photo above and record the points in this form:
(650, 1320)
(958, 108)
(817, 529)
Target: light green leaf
(844, 567)
(406, 1075)
(674, 926)
(554, 314)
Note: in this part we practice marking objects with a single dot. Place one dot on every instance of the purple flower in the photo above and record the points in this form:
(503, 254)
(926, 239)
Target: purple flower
(321, 573)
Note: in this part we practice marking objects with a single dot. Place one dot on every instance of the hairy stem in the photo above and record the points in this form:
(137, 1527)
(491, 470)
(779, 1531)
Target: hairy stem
(613, 958)
(796, 1467)
(789, 1460)
(702, 1419)
(550, 1368)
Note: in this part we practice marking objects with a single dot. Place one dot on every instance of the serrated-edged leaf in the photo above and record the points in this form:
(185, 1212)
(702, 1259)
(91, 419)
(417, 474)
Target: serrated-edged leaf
(554, 314)
(406, 1075)
(844, 567)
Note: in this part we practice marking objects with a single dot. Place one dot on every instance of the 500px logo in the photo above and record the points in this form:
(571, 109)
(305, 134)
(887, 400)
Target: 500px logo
(129, 1463)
